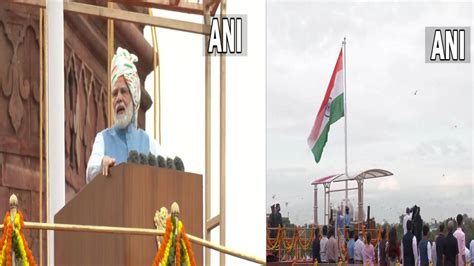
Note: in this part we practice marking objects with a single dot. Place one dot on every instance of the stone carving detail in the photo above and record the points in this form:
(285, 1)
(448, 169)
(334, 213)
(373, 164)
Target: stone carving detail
(19, 80)
(85, 114)
(19, 115)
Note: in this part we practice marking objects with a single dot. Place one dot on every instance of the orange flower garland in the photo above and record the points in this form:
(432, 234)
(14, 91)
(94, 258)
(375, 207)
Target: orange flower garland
(182, 246)
(6, 244)
(4, 236)
(178, 253)
(188, 248)
(159, 254)
(9, 243)
(29, 254)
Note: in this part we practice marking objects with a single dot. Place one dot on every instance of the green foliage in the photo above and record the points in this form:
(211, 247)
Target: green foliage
(16, 246)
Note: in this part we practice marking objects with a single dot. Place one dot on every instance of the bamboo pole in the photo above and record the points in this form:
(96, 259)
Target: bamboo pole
(41, 136)
(138, 231)
(110, 52)
(156, 82)
(134, 17)
(123, 15)
(207, 138)
(222, 144)
(153, 39)
(46, 122)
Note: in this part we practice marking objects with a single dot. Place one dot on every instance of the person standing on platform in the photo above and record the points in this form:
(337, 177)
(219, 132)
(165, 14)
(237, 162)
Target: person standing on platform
(358, 247)
(406, 218)
(461, 238)
(471, 248)
(393, 248)
(278, 218)
(450, 250)
(323, 243)
(272, 223)
(350, 247)
(409, 247)
(382, 248)
(340, 225)
(112, 145)
(332, 249)
(425, 248)
(347, 220)
(316, 247)
(468, 255)
(368, 252)
(440, 242)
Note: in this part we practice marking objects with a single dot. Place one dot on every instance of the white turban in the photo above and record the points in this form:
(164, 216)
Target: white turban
(123, 65)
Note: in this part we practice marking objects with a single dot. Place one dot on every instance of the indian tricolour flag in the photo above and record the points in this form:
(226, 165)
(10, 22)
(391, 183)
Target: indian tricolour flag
(331, 110)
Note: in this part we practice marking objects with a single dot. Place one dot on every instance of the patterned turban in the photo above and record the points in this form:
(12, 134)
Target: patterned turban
(123, 65)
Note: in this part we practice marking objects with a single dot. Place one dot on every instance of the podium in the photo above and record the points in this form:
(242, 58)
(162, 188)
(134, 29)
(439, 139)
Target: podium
(128, 197)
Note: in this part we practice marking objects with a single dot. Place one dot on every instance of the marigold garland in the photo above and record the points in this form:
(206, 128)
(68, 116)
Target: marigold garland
(178, 253)
(175, 248)
(20, 246)
(185, 253)
(159, 254)
(188, 247)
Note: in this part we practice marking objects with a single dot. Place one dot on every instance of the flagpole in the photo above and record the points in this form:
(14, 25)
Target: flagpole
(345, 117)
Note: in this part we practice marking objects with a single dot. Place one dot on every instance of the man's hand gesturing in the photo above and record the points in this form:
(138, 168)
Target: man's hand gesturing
(107, 162)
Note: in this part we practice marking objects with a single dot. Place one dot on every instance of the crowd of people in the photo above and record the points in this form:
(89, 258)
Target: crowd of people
(447, 248)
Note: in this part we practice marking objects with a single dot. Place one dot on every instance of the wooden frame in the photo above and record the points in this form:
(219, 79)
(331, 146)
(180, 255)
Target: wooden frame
(207, 8)
(128, 16)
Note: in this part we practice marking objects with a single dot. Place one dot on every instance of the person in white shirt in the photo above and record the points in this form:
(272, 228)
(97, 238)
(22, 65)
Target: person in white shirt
(471, 247)
(358, 247)
(434, 256)
(407, 217)
(112, 145)
(323, 244)
(468, 255)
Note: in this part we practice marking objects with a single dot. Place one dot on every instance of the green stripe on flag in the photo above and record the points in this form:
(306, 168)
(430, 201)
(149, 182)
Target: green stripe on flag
(337, 111)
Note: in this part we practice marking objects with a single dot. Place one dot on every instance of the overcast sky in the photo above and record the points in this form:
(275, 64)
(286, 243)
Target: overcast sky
(424, 139)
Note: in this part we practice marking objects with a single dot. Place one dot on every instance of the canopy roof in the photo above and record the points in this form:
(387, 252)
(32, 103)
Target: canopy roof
(367, 174)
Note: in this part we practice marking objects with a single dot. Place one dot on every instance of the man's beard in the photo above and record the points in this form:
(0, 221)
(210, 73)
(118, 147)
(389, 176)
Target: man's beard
(123, 120)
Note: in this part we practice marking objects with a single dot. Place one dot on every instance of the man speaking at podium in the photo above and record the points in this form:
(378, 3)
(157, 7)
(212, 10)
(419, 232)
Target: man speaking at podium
(112, 145)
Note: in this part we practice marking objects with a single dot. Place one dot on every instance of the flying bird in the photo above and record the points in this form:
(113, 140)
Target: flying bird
(415, 92)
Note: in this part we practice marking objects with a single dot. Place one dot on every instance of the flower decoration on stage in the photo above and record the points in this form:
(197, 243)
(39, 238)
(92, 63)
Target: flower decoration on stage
(175, 248)
(13, 238)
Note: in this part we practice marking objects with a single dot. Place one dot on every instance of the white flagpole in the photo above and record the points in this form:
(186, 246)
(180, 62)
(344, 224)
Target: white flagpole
(345, 116)
(55, 138)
